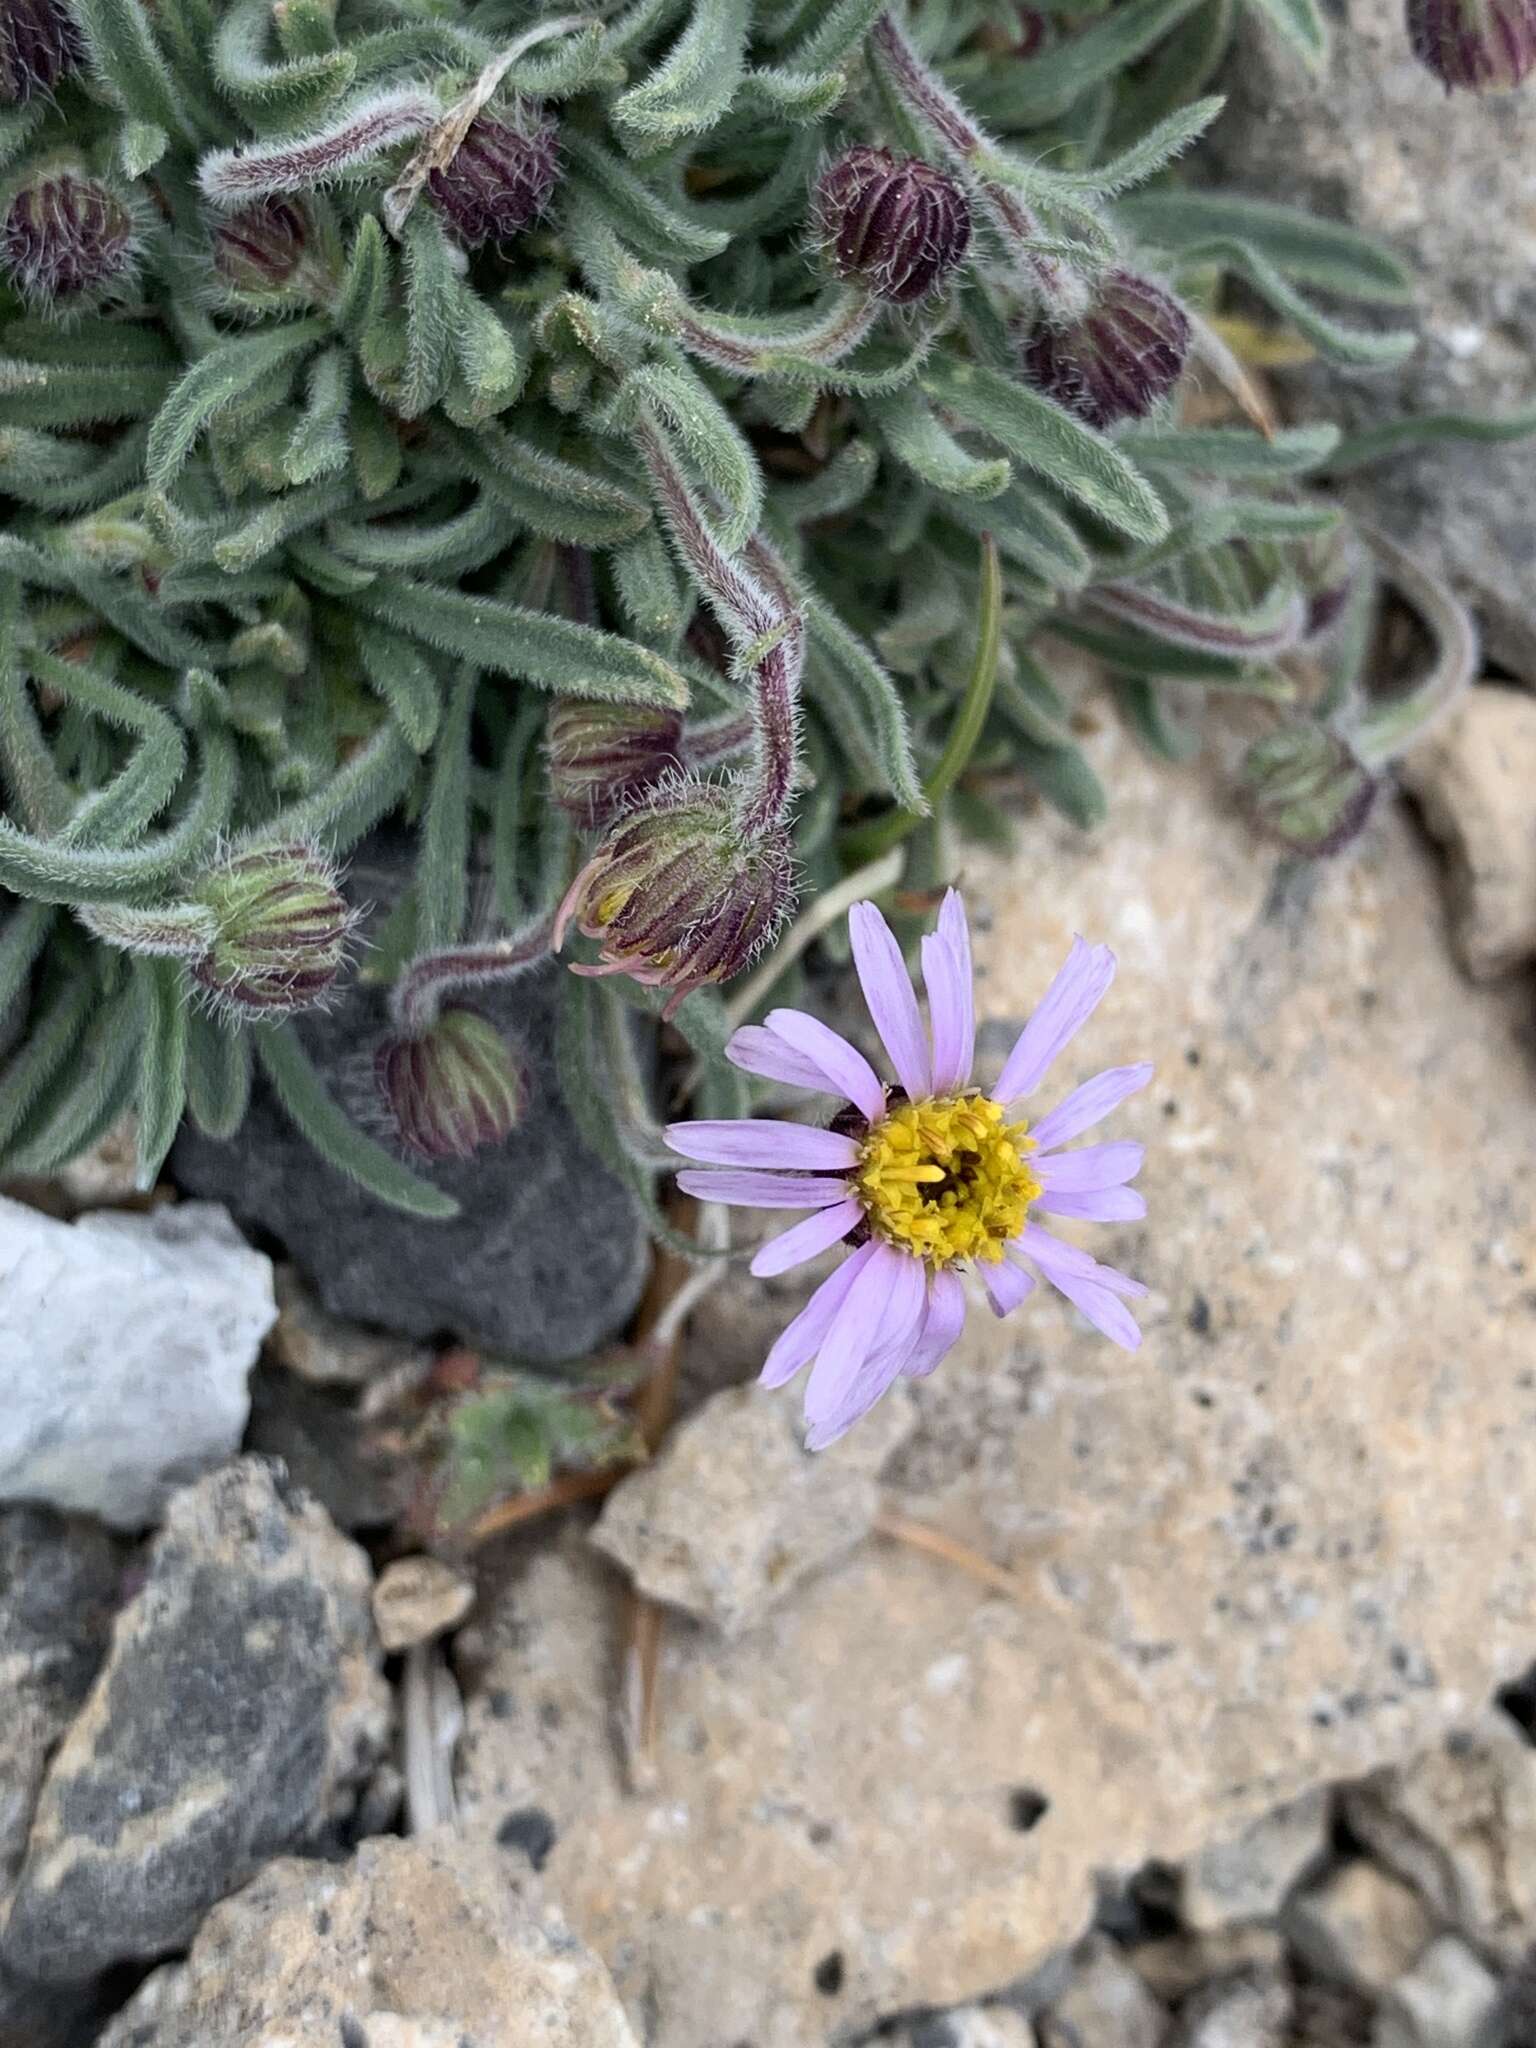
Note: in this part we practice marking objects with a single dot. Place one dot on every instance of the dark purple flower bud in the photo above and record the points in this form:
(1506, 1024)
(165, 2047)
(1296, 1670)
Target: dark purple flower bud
(893, 223)
(1308, 789)
(1035, 32)
(603, 756)
(455, 1088)
(1482, 45)
(65, 237)
(281, 926)
(258, 250)
(678, 895)
(500, 179)
(1114, 359)
(40, 43)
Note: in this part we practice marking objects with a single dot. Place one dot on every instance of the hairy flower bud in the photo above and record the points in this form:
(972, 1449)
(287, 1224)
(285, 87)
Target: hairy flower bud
(892, 223)
(66, 238)
(281, 926)
(1307, 789)
(1114, 359)
(258, 250)
(602, 756)
(678, 895)
(500, 178)
(454, 1088)
(1481, 45)
(39, 44)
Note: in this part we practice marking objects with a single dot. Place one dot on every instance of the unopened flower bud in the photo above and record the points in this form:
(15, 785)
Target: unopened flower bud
(499, 180)
(40, 43)
(1307, 789)
(891, 223)
(258, 250)
(281, 926)
(66, 238)
(454, 1088)
(1114, 359)
(678, 895)
(1481, 45)
(602, 756)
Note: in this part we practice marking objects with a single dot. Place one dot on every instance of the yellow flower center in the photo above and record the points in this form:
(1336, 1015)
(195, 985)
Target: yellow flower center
(946, 1179)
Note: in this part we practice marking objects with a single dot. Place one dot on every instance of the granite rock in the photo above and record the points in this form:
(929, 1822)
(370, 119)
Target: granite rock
(125, 1347)
(735, 1514)
(1446, 2000)
(1473, 777)
(546, 1259)
(416, 1599)
(1284, 1543)
(413, 1944)
(1446, 179)
(239, 1710)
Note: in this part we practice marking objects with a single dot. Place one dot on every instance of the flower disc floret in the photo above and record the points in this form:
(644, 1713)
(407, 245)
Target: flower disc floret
(947, 1179)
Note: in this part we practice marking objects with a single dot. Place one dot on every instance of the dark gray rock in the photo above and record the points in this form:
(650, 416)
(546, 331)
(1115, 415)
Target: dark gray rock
(546, 1260)
(58, 1587)
(1445, 180)
(322, 1441)
(238, 1713)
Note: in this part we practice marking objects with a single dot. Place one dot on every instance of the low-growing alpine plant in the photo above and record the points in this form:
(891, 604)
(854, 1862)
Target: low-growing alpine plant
(642, 451)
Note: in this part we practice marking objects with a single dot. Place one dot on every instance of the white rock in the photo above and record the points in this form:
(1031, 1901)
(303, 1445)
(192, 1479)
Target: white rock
(1442, 2002)
(972, 2026)
(1238, 2012)
(124, 1349)
(1105, 2004)
(1360, 1928)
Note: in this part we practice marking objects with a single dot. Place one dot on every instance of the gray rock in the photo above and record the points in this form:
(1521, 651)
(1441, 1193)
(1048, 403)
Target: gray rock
(1512, 2023)
(546, 1259)
(971, 2026)
(1444, 2001)
(1446, 180)
(1360, 1927)
(419, 1944)
(1247, 1878)
(124, 1350)
(735, 1513)
(1458, 1824)
(327, 1448)
(238, 1712)
(1105, 2004)
(1252, 2010)
(58, 1587)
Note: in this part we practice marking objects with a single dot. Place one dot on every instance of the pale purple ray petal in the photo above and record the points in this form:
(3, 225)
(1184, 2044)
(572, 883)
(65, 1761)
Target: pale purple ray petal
(948, 978)
(845, 1068)
(1103, 1205)
(1006, 1284)
(1096, 1166)
(892, 1003)
(1090, 1104)
(1067, 1005)
(744, 1189)
(1053, 1255)
(757, 1050)
(798, 1343)
(761, 1141)
(803, 1241)
(943, 1324)
(849, 1377)
(1109, 1316)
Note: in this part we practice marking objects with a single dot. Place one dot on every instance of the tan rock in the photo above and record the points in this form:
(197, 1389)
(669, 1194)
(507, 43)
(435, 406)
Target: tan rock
(1248, 1877)
(328, 1350)
(1106, 2004)
(1174, 1965)
(1445, 2001)
(1359, 1928)
(416, 1599)
(1474, 778)
(1285, 1542)
(416, 1944)
(735, 1513)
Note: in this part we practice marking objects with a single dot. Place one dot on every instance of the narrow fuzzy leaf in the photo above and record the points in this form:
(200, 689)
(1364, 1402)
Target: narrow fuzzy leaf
(1322, 254)
(492, 364)
(318, 446)
(405, 681)
(919, 439)
(1341, 343)
(650, 596)
(215, 381)
(657, 230)
(364, 293)
(53, 1031)
(218, 1073)
(1144, 159)
(549, 496)
(1030, 533)
(1393, 723)
(24, 931)
(1025, 95)
(442, 864)
(1422, 430)
(1232, 451)
(690, 91)
(362, 790)
(432, 308)
(360, 134)
(838, 656)
(86, 1096)
(162, 1086)
(41, 395)
(1303, 25)
(128, 62)
(140, 146)
(694, 418)
(274, 95)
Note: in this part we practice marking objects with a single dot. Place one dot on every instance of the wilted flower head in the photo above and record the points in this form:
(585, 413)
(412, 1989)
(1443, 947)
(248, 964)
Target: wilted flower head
(1116, 358)
(453, 1089)
(892, 223)
(604, 755)
(500, 180)
(258, 250)
(1480, 45)
(281, 926)
(926, 1179)
(66, 238)
(677, 894)
(39, 43)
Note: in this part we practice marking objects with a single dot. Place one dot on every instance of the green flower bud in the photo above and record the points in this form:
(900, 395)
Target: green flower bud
(455, 1088)
(281, 926)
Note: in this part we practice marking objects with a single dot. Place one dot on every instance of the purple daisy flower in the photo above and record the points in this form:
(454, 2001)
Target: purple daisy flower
(925, 1178)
